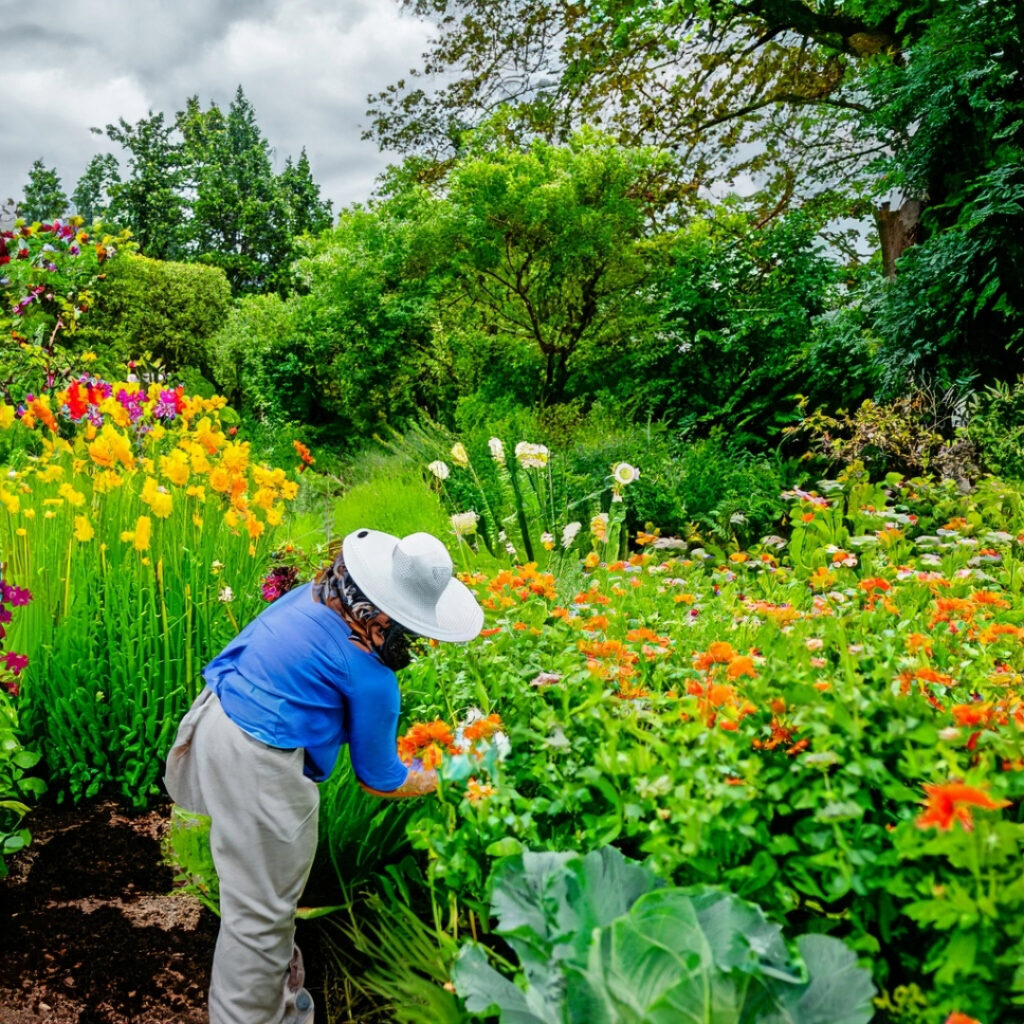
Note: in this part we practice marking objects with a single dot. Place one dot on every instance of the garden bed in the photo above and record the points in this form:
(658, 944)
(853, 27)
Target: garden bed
(95, 932)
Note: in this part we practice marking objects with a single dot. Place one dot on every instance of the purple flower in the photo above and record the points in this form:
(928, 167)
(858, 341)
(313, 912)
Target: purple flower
(5, 614)
(74, 250)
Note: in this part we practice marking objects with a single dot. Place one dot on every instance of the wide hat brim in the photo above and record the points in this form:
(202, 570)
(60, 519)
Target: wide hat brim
(455, 615)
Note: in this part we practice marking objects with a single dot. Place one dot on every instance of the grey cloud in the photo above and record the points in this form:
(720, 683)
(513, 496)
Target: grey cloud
(306, 66)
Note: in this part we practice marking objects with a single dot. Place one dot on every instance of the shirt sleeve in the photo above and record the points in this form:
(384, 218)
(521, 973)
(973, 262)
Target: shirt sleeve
(373, 707)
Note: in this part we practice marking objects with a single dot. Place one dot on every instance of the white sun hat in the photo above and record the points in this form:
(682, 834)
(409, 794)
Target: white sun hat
(411, 580)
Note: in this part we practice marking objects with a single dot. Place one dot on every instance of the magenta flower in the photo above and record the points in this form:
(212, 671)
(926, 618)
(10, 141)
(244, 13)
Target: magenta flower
(16, 597)
(15, 662)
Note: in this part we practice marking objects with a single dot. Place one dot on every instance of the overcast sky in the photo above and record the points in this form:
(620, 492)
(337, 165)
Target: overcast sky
(305, 65)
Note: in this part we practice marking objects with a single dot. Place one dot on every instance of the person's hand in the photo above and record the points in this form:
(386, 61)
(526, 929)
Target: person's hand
(417, 783)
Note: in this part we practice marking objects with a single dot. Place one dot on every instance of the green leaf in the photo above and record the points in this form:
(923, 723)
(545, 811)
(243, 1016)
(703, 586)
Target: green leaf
(486, 991)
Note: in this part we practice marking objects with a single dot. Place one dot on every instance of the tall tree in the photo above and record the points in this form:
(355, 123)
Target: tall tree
(44, 195)
(91, 196)
(240, 214)
(150, 200)
(549, 249)
(309, 214)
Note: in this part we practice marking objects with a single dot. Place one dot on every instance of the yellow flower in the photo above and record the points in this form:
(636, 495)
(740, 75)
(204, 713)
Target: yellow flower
(220, 480)
(161, 504)
(110, 448)
(143, 529)
(6, 416)
(197, 520)
(263, 498)
(88, 357)
(231, 518)
(254, 526)
(21, 531)
(275, 515)
(289, 489)
(235, 458)
(195, 491)
(592, 560)
(51, 473)
(76, 498)
(175, 467)
(29, 513)
(83, 529)
(11, 502)
(107, 481)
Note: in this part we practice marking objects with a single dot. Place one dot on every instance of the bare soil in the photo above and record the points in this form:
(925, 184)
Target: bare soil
(93, 932)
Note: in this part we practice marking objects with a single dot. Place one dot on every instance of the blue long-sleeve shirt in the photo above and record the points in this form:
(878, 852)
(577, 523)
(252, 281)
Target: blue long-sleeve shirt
(292, 678)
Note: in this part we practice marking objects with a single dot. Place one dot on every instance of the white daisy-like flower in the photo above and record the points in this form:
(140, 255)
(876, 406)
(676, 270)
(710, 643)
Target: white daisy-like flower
(624, 474)
(439, 469)
(497, 450)
(226, 595)
(464, 523)
(459, 454)
(569, 533)
(531, 456)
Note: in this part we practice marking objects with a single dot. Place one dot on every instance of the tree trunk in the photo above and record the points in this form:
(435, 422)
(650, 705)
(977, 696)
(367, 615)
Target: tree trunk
(897, 231)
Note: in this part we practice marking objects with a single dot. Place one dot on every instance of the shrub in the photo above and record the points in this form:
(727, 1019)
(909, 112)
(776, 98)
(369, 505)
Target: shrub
(996, 427)
(169, 310)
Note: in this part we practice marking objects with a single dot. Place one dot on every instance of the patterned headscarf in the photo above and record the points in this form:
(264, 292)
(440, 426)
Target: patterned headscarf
(334, 581)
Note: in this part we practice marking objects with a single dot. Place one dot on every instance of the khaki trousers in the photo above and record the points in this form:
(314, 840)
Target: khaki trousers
(263, 837)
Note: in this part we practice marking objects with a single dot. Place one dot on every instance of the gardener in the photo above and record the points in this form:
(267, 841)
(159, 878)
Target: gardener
(315, 670)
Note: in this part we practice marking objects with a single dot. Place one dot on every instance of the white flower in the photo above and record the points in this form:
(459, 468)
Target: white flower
(569, 533)
(623, 473)
(547, 540)
(531, 456)
(497, 450)
(439, 469)
(227, 595)
(464, 523)
(459, 454)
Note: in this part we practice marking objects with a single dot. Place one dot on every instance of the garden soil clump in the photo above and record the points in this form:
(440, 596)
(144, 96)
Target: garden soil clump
(93, 932)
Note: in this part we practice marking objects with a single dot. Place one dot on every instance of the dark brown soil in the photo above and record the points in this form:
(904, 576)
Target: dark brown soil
(93, 932)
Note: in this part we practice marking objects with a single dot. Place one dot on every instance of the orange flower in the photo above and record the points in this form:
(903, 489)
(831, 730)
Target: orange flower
(952, 802)
(741, 665)
(961, 1018)
(482, 728)
(874, 583)
(720, 652)
(972, 714)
